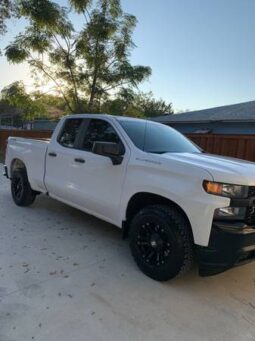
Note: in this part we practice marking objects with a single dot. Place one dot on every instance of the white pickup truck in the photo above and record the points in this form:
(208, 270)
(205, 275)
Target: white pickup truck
(170, 198)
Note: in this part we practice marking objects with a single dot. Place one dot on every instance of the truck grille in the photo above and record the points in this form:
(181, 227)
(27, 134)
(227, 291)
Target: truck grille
(250, 213)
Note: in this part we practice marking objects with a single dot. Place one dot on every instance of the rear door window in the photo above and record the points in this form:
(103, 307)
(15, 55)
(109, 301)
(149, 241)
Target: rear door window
(69, 133)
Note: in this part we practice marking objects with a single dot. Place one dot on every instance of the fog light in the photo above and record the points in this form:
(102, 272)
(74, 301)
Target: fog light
(234, 213)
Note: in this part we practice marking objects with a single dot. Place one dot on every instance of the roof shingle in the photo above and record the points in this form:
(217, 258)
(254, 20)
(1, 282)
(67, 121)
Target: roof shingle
(235, 112)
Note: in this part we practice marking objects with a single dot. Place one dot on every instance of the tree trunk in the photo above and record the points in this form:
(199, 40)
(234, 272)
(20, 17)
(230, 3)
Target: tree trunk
(93, 91)
(94, 82)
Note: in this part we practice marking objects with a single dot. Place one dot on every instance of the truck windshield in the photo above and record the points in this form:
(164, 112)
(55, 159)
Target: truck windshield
(157, 138)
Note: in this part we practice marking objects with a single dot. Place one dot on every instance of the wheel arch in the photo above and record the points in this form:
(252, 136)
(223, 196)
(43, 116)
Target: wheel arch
(142, 199)
(16, 163)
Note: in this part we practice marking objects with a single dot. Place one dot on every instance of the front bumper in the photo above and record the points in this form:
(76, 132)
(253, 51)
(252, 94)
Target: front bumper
(230, 244)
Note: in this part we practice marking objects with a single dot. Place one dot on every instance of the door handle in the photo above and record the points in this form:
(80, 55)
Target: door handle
(52, 154)
(79, 160)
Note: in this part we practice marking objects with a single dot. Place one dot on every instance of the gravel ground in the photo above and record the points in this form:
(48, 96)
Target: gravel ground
(67, 276)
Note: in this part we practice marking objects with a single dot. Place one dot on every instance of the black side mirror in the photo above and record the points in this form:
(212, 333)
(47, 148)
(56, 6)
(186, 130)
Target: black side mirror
(113, 150)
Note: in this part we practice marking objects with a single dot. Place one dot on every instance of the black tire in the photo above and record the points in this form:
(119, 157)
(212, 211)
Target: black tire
(22, 193)
(161, 242)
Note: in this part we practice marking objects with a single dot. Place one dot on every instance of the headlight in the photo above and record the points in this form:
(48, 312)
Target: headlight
(226, 190)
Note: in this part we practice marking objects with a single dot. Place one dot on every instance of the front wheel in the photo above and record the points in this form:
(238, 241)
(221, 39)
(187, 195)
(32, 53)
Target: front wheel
(22, 193)
(161, 242)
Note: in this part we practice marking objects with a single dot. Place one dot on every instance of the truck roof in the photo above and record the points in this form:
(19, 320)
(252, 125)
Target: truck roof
(119, 118)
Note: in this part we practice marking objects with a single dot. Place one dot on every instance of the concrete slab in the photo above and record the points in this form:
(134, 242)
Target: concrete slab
(65, 275)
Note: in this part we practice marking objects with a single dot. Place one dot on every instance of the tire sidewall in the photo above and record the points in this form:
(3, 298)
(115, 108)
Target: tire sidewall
(175, 260)
(27, 195)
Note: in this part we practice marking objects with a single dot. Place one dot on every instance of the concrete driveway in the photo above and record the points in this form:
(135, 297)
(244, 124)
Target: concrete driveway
(66, 276)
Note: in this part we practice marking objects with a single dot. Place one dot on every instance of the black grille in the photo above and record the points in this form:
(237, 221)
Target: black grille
(250, 213)
(251, 191)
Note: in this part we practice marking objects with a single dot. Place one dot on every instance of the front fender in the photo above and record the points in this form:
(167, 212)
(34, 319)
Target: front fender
(186, 191)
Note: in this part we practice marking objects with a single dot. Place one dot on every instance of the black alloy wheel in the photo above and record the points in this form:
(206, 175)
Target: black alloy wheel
(161, 242)
(18, 187)
(153, 243)
(22, 193)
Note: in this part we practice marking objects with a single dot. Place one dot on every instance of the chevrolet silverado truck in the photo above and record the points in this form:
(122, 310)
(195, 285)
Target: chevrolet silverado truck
(174, 201)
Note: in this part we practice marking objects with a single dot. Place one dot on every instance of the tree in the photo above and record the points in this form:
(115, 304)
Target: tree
(151, 107)
(130, 103)
(16, 96)
(7, 10)
(86, 67)
(51, 101)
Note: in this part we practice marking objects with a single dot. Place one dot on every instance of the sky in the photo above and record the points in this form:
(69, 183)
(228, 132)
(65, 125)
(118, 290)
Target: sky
(202, 52)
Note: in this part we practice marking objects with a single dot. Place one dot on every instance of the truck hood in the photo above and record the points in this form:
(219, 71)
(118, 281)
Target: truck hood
(221, 168)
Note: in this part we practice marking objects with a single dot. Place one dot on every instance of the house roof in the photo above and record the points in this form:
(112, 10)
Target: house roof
(235, 112)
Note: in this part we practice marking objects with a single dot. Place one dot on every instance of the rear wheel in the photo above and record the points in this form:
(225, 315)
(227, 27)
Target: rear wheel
(22, 193)
(161, 242)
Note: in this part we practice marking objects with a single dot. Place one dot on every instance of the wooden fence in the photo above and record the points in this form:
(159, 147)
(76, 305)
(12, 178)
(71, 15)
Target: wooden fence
(4, 134)
(240, 146)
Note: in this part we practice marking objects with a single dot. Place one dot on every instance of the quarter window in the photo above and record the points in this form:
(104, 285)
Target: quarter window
(70, 132)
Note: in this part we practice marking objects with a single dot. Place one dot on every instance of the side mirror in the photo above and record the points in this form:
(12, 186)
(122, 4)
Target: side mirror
(113, 150)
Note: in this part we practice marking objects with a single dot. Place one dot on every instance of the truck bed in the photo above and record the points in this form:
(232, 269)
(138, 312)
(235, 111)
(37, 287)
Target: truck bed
(32, 152)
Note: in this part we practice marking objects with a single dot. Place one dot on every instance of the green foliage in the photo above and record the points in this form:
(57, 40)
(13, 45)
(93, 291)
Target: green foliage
(129, 103)
(90, 70)
(39, 105)
(7, 10)
(16, 53)
(80, 6)
(86, 67)
(15, 95)
(44, 13)
(52, 103)
(151, 107)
